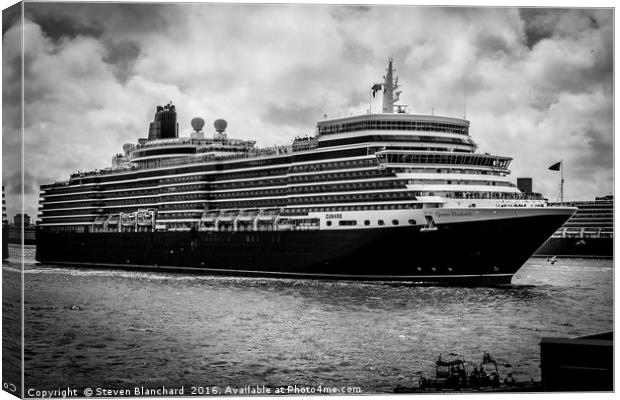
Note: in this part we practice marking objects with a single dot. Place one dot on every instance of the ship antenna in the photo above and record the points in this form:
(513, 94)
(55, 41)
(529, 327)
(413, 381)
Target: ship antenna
(389, 85)
(561, 181)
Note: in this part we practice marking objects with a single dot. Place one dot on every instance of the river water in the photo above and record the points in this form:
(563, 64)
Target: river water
(119, 329)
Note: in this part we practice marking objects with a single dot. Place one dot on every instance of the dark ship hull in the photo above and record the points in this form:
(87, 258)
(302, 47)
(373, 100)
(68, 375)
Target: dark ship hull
(602, 247)
(466, 252)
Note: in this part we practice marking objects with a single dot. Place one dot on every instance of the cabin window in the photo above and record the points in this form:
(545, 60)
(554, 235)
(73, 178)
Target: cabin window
(347, 223)
(367, 222)
(380, 222)
(412, 222)
(329, 223)
(394, 222)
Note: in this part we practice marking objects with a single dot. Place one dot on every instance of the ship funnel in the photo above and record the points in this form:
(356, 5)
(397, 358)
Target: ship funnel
(164, 125)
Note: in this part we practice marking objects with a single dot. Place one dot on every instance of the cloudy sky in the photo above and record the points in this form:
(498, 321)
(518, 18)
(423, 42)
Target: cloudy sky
(538, 82)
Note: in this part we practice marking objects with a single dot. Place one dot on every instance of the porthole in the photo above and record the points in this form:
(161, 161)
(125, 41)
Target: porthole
(419, 269)
(366, 222)
(411, 222)
(329, 223)
(394, 222)
(380, 222)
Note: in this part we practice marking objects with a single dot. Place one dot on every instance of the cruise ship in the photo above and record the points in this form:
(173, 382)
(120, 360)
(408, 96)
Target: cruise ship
(588, 233)
(389, 195)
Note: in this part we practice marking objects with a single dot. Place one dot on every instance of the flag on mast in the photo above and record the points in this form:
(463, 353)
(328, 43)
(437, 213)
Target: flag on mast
(375, 88)
(558, 167)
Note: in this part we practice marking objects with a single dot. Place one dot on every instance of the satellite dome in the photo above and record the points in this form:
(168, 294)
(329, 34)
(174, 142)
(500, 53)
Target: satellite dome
(220, 125)
(127, 147)
(198, 123)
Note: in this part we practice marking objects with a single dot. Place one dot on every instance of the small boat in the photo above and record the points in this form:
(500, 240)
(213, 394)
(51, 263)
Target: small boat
(450, 373)
(489, 378)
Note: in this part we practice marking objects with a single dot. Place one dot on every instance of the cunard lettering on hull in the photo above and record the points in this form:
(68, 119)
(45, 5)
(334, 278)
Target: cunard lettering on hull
(384, 195)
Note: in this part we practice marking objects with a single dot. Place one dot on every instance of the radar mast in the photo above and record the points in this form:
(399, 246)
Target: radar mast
(390, 95)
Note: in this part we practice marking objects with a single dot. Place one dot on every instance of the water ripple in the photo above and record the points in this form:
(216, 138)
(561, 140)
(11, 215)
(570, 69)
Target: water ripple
(113, 328)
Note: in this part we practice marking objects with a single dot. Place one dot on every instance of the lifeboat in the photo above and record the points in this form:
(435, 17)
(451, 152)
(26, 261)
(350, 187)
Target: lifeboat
(228, 216)
(269, 214)
(145, 218)
(128, 219)
(247, 215)
(210, 216)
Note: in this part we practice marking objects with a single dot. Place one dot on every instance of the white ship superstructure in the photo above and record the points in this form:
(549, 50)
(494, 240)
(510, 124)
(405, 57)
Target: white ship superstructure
(372, 162)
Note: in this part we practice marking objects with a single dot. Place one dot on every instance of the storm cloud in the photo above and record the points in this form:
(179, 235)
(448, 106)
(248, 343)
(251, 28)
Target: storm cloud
(535, 83)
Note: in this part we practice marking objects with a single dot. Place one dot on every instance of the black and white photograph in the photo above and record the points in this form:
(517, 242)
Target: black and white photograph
(206, 199)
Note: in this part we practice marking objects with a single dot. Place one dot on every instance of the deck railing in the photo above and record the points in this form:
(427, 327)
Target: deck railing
(177, 161)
